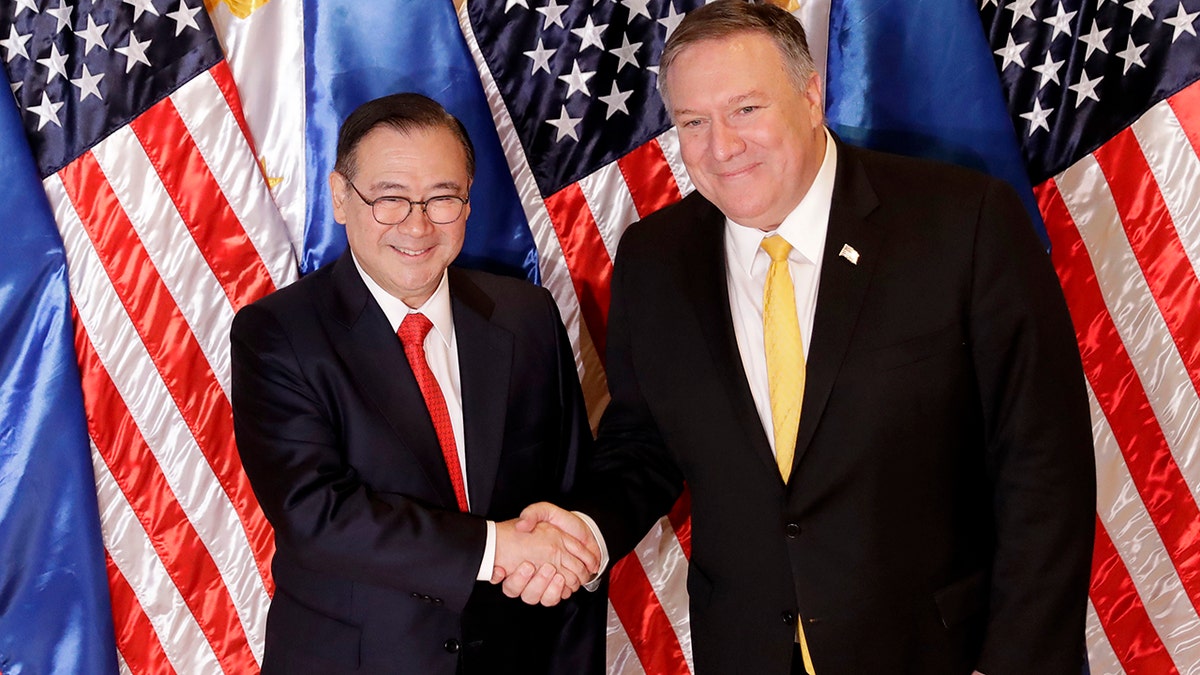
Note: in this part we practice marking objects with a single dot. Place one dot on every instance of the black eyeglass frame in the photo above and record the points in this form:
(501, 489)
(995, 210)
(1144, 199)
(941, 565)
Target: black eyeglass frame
(463, 201)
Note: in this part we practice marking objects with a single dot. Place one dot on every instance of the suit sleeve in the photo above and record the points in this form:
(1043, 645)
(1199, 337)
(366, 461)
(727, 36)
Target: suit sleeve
(325, 515)
(634, 479)
(1039, 455)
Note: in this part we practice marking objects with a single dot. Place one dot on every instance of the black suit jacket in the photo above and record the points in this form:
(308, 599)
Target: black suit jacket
(940, 512)
(375, 566)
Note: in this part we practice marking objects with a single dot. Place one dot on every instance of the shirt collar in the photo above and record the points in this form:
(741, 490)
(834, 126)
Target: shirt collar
(804, 228)
(436, 308)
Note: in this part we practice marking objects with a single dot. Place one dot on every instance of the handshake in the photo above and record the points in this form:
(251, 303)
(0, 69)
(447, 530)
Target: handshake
(545, 555)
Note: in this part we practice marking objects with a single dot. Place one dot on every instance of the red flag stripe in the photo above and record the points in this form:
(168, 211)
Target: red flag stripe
(1141, 551)
(172, 347)
(610, 204)
(650, 631)
(587, 259)
(649, 178)
(1124, 618)
(205, 210)
(1152, 235)
(239, 174)
(1119, 392)
(223, 76)
(135, 469)
(1186, 106)
(136, 640)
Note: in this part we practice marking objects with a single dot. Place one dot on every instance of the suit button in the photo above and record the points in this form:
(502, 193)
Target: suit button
(437, 601)
(792, 530)
(426, 598)
(452, 646)
(415, 596)
(789, 618)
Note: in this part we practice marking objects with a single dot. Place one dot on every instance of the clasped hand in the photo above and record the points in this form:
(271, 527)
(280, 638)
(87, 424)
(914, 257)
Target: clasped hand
(545, 555)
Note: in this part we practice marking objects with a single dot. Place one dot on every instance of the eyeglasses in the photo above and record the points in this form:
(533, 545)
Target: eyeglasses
(389, 210)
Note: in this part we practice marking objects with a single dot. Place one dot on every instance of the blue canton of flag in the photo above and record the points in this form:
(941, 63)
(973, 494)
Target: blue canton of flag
(1075, 73)
(82, 69)
(578, 78)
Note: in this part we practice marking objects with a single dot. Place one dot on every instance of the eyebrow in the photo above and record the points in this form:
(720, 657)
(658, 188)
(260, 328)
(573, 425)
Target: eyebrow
(444, 185)
(733, 102)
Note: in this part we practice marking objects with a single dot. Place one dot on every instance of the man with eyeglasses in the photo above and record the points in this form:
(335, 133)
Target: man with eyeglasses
(394, 414)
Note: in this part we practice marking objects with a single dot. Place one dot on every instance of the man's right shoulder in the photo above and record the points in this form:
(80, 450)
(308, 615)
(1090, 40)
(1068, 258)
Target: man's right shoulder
(667, 227)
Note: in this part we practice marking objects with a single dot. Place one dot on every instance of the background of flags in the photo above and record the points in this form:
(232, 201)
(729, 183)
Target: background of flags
(156, 134)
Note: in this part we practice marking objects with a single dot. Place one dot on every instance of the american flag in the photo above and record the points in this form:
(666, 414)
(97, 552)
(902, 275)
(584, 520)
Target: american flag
(1105, 100)
(591, 148)
(169, 228)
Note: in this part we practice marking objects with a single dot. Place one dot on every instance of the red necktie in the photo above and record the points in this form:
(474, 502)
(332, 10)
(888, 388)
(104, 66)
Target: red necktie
(412, 334)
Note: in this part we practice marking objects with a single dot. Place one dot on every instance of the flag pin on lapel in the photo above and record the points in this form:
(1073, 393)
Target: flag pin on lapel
(849, 253)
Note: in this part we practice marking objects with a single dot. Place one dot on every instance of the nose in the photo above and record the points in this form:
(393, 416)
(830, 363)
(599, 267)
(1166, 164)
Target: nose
(417, 224)
(726, 142)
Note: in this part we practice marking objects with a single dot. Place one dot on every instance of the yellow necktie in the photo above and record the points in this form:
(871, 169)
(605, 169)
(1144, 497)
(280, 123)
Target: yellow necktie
(785, 370)
(785, 352)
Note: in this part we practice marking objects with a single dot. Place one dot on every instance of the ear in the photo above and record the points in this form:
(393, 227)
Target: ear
(340, 191)
(812, 93)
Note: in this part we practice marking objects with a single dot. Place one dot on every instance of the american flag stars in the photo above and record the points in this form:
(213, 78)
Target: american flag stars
(581, 70)
(69, 59)
(1059, 59)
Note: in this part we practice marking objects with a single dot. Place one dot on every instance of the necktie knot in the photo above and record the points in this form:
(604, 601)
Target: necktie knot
(413, 330)
(776, 247)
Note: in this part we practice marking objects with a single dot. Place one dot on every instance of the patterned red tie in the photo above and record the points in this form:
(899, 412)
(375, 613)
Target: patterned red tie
(412, 334)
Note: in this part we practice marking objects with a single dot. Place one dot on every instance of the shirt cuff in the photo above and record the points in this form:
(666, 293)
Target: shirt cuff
(489, 554)
(587, 520)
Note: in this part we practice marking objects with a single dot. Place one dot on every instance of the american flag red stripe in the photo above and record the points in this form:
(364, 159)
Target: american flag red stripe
(1126, 245)
(649, 178)
(206, 212)
(168, 228)
(1122, 613)
(587, 259)
(165, 332)
(145, 655)
(135, 470)
(1121, 398)
(1148, 225)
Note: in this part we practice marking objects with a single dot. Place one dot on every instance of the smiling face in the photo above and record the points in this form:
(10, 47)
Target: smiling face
(751, 141)
(406, 260)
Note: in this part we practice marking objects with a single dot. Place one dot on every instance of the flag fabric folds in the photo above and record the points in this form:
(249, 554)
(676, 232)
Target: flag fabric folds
(168, 228)
(54, 609)
(1105, 99)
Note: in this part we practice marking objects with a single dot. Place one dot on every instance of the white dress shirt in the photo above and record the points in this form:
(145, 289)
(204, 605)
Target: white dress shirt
(746, 264)
(441, 351)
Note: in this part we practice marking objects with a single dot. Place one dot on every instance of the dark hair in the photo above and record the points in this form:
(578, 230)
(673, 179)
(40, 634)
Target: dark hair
(725, 18)
(405, 113)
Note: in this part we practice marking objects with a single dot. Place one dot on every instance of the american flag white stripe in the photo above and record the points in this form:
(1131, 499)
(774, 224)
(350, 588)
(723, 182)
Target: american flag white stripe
(665, 562)
(1101, 658)
(669, 142)
(228, 155)
(1128, 298)
(1124, 516)
(1127, 206)
(184, 644)
(611, 204)
(1176, 169)
(158, 225)
(135, 378)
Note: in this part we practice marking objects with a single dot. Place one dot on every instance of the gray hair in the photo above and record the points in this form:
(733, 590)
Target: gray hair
(726, 18)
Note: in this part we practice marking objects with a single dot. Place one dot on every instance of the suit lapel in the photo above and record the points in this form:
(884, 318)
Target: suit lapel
(376, 362)
(708, 291)
(484, 366)
(842, 290)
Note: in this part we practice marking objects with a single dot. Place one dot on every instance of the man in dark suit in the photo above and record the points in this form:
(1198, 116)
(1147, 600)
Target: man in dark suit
(394, 415)
(890, 467)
